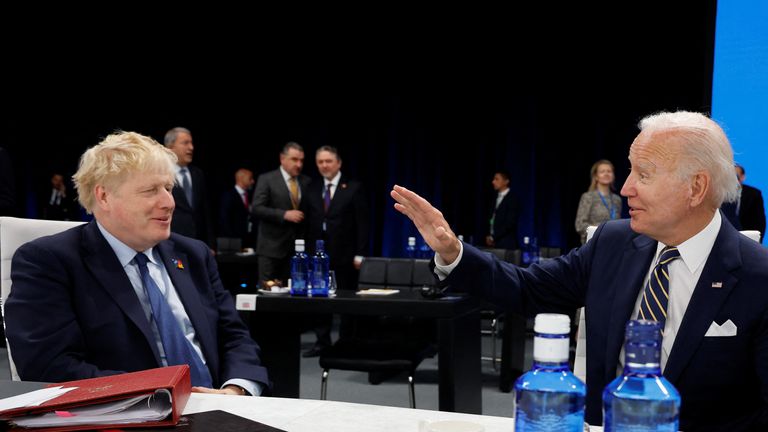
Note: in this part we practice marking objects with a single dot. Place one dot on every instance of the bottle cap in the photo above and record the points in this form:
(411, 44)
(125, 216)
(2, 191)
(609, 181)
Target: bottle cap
(299, 242)
(552, 324)
(319, 244)
(526, 239)
(411, 240)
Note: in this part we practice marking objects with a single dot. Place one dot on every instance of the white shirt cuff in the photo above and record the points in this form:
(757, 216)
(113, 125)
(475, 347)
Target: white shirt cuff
(252, 387)
(442, 270)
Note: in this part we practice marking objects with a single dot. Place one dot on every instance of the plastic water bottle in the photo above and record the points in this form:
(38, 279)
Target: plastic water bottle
(527, 252)
(535, 252)
(320, 266)
(641, 399)
(550, 397)
(424, 251)
(299, 270)
(410, 248)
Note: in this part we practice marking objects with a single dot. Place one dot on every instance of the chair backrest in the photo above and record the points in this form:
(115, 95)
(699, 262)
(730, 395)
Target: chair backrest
(422, 275)
(373, 272)
(400, 272)
(580, 361)
(14, 232)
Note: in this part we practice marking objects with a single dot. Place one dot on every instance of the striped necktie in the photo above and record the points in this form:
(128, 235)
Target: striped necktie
(656, 294)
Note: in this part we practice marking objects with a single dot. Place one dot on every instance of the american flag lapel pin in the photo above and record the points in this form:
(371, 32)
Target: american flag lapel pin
(717, 284)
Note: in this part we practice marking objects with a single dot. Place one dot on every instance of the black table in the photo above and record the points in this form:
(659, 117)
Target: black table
(275, 326)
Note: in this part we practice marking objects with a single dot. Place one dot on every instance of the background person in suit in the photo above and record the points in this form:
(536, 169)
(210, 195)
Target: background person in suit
(598, 204)
(338, 215)
(750, 209)
(502, 232)
(235, 217)
(192, 215)
(715, 340)
(83, 306)
(59, 204)
(279, 207)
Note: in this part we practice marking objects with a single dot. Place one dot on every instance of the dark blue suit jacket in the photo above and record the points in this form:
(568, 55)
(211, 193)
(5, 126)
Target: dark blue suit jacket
(723, 380)
(72, 312)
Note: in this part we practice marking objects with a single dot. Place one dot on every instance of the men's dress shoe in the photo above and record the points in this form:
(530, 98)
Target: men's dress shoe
(312, 352)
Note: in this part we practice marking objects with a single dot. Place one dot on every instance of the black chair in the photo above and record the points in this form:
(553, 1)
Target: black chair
(493, 315)
(384, 345)
(422, 275)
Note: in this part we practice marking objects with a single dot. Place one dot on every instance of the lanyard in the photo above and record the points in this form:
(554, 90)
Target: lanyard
(610, 208)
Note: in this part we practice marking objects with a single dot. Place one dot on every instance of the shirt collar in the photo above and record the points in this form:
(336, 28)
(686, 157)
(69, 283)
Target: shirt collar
(125, 253)
(696, 249)
(504, 192)
(335, 180)
(285, 174)
(179, 167)
(240, 190)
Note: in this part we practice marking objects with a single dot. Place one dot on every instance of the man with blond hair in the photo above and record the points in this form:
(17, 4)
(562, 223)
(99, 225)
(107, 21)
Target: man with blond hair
(122, 293)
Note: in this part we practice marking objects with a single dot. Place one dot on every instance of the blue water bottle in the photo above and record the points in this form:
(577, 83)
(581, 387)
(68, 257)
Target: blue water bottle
(410, 248)
(641, 399)
(550, 397)
(299, 270)
(425, 252)
(527, 252)
(320, 266)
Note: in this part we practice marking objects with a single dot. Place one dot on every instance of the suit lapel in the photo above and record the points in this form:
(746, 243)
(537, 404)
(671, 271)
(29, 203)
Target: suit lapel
(190, 298)
(106, 269)
(706, 300)
(634, 266)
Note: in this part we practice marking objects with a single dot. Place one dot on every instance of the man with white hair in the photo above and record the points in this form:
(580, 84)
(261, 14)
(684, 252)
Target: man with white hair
(715, 340)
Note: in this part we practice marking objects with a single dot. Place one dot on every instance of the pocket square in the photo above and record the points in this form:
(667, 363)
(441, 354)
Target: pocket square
(727, 329)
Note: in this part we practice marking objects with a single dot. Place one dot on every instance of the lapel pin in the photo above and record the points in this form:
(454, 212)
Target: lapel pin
(343, 185)
(178, 263)
(717, 284)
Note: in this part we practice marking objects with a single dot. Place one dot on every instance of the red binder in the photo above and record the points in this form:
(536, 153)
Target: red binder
(115, 387)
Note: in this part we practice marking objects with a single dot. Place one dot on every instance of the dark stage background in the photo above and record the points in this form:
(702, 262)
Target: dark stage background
(436, 113)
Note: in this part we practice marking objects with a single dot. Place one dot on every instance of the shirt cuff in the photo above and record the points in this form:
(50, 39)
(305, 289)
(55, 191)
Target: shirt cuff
(442, 270)
(252, 387)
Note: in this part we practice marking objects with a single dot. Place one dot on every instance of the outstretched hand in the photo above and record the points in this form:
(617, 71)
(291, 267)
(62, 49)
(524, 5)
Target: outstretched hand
(429, 221)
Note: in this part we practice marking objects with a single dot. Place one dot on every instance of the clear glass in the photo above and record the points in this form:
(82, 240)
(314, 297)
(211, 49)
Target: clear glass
(331, 283)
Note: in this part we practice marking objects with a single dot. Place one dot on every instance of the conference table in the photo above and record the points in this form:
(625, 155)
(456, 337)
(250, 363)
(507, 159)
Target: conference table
(274, 321)
(305, 415)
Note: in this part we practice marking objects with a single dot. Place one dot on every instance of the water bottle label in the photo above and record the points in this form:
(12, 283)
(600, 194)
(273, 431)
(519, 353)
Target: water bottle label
(551, 350)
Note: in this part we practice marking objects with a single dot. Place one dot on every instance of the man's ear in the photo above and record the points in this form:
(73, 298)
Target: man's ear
(701, 182)
(102, 197)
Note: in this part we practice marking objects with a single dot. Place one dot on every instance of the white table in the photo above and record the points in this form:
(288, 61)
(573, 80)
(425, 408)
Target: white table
(300, 415)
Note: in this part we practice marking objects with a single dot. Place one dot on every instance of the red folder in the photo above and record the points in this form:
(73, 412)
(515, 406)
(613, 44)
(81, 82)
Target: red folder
(115, 387)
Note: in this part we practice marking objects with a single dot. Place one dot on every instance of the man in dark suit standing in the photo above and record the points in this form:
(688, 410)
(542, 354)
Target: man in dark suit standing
(192, 215)
(338, 212)
(122, 293)
(502, 231)
(235, 217)
(750, 209)
(279, 206)
(59, 204)
(715, 340)
(338, 215)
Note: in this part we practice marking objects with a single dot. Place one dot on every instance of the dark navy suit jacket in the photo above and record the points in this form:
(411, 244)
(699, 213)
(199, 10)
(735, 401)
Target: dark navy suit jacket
(723, 380)
(505, 222)
(72, 312)
(193, 220)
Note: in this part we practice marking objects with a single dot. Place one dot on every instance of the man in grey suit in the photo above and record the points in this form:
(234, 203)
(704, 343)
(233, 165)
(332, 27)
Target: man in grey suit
(278, 205)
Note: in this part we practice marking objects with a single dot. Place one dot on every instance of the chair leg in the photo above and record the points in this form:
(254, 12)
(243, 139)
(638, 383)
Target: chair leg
(324, 384)
(411, 391)
(494, 333)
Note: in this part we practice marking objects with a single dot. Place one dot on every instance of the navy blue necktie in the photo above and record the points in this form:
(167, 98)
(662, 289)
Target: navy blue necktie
(186, 185)
(178, 349)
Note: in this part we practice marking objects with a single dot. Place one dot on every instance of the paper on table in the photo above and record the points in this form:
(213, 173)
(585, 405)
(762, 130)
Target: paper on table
(33, 398)
(378, 291)
(145, 408)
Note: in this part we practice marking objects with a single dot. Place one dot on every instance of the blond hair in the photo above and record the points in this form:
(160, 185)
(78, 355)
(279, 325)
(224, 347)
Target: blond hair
(109, 162)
